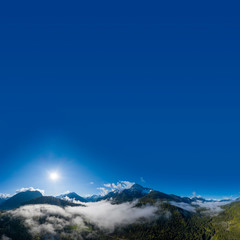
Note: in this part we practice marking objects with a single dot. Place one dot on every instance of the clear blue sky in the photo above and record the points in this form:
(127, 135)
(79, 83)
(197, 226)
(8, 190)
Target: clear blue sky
(118, 90)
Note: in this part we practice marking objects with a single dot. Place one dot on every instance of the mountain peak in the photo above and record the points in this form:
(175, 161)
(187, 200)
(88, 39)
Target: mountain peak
(137, 187)
(19, 198)
(72, 196)
(4, 196)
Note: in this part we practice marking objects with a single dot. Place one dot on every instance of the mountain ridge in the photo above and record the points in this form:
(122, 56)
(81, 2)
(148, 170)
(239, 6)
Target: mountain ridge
(135, 192)
(51, 201)
(19, 198)
(73, 196)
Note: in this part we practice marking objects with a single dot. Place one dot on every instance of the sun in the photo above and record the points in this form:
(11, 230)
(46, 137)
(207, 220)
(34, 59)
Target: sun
(54, 176)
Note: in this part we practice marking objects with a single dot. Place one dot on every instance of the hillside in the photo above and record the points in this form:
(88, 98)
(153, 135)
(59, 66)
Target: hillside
(72, 196)
(135, 213)
(227, 223)
(49, 200)
(18, 199)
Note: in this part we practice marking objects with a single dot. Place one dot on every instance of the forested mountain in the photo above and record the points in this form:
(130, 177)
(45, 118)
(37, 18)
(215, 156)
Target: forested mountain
(49, 200)
(135, 213)
(73, 196)
(18, 199)
(3, 198)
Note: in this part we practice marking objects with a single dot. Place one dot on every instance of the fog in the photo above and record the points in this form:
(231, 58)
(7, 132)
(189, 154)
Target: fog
(208, 208)
(103, 215)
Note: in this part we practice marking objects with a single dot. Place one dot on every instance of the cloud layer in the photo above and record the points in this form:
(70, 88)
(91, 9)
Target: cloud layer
(208, 207)
(5, 238)
(109, 187)
(103, 215)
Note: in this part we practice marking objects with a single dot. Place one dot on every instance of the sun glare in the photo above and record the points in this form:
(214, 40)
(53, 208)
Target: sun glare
(54, 176)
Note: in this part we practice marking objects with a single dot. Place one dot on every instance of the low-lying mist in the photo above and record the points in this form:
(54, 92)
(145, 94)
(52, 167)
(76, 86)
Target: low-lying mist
(49, 219)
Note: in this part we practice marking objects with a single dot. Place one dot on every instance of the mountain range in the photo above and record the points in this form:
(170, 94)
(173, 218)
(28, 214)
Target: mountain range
(175, 217)
(3, 198)
(136, 192)
(18, 199)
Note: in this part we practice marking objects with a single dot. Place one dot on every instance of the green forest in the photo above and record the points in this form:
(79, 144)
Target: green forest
(176, 224)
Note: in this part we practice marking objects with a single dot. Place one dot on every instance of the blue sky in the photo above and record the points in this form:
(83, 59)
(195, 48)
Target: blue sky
(109, 91)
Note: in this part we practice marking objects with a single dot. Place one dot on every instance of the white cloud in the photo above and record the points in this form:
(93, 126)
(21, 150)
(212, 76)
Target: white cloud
(119, 186)
(212, 208)
(108, 216)
(4, 195)
(103, 215)
(91, 183)
(142, 180)
(4, 237)
(108, 185)
(61, 194)
(103, 191)
(88, 195)
(29, 189)
(194, 195)
(184, 206)
(72, 200)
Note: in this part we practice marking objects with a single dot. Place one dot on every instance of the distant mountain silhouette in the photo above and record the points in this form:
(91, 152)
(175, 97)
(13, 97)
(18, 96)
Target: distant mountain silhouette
(127, 195)
(144, 194)
(93, 198)
(19, 198)
(50, 200)
(3, 199)
(72, 195)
